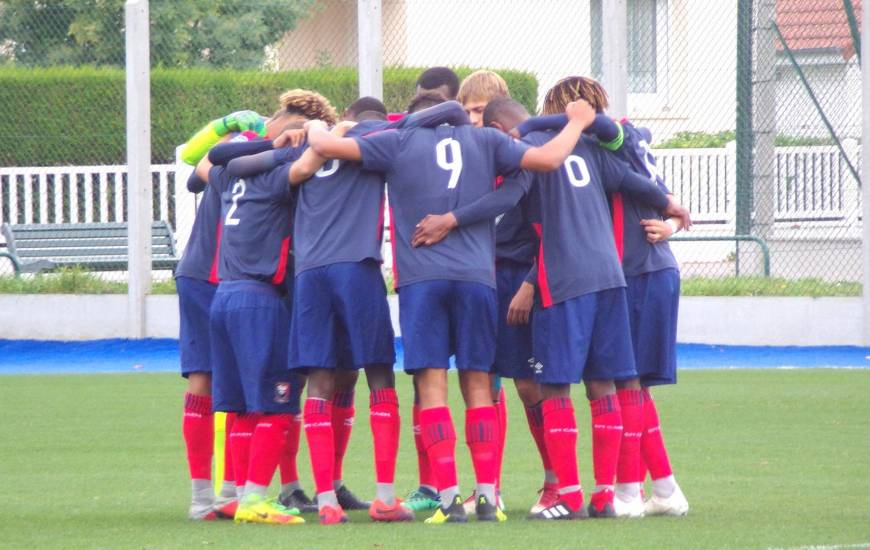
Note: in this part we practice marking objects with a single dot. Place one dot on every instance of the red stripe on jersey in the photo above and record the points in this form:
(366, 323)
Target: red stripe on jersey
(498, 181)
(618, 223)
(380, 235)
(393, 117)
(281, 272)
(543, 285)
(213, 274)
(393, 248)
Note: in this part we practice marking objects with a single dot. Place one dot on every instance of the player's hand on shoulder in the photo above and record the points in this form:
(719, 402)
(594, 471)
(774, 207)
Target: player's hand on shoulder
(433, 229)
(521, 305)
(580, 111)
(342, 127)
(290, 138)
(311, 124)
(657, 230)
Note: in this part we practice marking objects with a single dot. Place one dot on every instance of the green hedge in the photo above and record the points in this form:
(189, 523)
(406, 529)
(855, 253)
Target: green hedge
(75, 116)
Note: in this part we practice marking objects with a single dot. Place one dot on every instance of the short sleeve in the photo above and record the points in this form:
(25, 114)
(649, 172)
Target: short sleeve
(508, 151)
(379, 150)
(219, 178)
(612, 169)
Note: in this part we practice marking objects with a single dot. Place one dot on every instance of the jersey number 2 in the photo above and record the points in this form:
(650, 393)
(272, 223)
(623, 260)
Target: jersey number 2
(238, 192)
(454, 163)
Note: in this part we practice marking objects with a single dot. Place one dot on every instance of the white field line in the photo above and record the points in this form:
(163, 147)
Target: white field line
(824, 546)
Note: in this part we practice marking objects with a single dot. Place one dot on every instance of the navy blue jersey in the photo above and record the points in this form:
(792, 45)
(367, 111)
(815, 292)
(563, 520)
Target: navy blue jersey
(436, 170)
(257, 224)
(515, 239)
(577, 253)
(638, 255)
(340, 213)
(200, 258)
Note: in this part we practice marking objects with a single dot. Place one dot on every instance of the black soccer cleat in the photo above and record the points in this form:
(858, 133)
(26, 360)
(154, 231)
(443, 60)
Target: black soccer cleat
(299, 500)
(601, 505)
(455, 513)
(487, 511)
(349, 501)
(560, 510)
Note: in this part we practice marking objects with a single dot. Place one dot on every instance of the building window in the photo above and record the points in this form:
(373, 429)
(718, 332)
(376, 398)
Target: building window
(642, 43)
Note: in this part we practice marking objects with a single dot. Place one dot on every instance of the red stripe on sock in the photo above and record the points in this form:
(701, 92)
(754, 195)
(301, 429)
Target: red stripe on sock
(652, 443)
(385, 423)
(267, 444)
(560, 434)
(628, 469)
(287, 465)
(439, 438)
(197, 427)
(606, 438)
(321, 441)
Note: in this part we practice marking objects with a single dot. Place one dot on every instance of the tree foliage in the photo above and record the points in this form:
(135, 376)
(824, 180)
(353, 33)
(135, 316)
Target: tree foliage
(184, 33)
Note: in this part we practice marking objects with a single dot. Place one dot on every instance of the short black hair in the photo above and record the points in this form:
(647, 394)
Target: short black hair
(424, 100)
(435, 77)
(370, 115)
(367, 103)
(499, 107)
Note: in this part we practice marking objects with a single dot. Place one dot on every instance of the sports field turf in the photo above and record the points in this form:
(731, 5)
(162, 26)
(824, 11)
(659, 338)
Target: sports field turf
(767, 458)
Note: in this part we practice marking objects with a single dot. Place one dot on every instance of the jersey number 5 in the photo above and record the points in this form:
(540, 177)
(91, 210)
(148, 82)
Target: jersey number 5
(451, 162)
(578, 172)
(238, 192)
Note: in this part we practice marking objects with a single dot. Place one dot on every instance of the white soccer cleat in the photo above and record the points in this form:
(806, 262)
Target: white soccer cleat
(631, 508)
(674, 505)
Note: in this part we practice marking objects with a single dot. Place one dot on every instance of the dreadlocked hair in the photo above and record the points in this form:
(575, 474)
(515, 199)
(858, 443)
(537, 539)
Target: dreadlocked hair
(571, 89)
(309, 104)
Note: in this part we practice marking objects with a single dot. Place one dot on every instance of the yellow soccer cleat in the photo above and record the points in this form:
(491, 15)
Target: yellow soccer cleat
(455, 513)
(256, 509)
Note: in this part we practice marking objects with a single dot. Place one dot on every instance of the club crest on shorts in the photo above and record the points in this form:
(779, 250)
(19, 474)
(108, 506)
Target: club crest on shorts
(282, 392)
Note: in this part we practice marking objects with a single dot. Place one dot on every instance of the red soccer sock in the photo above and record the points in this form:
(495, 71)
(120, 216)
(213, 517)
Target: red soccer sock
(240, 444)
(229, 474)
(481, 435)
(385, 422)
(287, 465)
(427, 476)
(652, 444)
(560, 435)
(266, 446)
(631, 404)
(606, 438)
(439, 437)
(321, 442)
(501, 433)
(197, 426)
(535, 418)
(342, 424)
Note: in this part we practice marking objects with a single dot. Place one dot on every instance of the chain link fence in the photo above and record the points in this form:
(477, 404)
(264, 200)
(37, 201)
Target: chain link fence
(754, 106)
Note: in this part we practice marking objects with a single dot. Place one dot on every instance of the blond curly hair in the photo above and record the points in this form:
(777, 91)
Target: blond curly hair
(309, 104)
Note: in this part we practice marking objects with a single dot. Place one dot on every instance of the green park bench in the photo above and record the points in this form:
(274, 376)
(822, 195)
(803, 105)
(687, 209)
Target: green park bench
(35, 248)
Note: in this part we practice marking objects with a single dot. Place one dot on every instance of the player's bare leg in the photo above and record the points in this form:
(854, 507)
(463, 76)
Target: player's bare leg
(481, 434)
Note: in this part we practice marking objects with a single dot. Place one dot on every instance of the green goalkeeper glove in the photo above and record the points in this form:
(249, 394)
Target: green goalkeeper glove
(240, 121)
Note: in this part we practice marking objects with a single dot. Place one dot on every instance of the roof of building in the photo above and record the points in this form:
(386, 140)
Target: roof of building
(816, 25)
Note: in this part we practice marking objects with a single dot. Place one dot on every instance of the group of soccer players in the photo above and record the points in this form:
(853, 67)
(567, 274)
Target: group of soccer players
(526, 248)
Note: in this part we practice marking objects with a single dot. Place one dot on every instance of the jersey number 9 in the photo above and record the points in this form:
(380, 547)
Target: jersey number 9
(454, 163)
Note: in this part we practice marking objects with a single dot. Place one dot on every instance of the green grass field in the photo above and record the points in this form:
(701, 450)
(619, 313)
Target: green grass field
(775, 458)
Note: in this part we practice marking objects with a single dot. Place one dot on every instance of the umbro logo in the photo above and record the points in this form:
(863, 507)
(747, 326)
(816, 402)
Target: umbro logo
(536, 365)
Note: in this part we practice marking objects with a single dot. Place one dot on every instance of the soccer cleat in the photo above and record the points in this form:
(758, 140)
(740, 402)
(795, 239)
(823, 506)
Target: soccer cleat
(487, 511)
(470, 503)
(560, 510)
(332, 515)
(422, 499)
(547, 496)
(255, 509)
(201, 512)
(455, 513)
(632, 508)
(601, 505)
(299, 500)
(349, 501)
(674, 505)
(225, 508)
(380, 511)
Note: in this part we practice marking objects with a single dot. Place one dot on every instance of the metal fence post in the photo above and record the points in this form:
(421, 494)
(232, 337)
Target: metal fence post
(614, 55)
(371, 63)
(139, 187)
(743, 206)
(865, 169)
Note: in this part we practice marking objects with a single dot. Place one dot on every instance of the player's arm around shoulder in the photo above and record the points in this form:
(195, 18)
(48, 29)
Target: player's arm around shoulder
(332, 145)
(551, 155)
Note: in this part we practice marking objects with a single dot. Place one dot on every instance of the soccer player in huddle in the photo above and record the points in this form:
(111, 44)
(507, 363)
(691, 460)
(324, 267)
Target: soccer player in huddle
(653, 291)
(196, 280)
(250, 322)
(447, 291)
